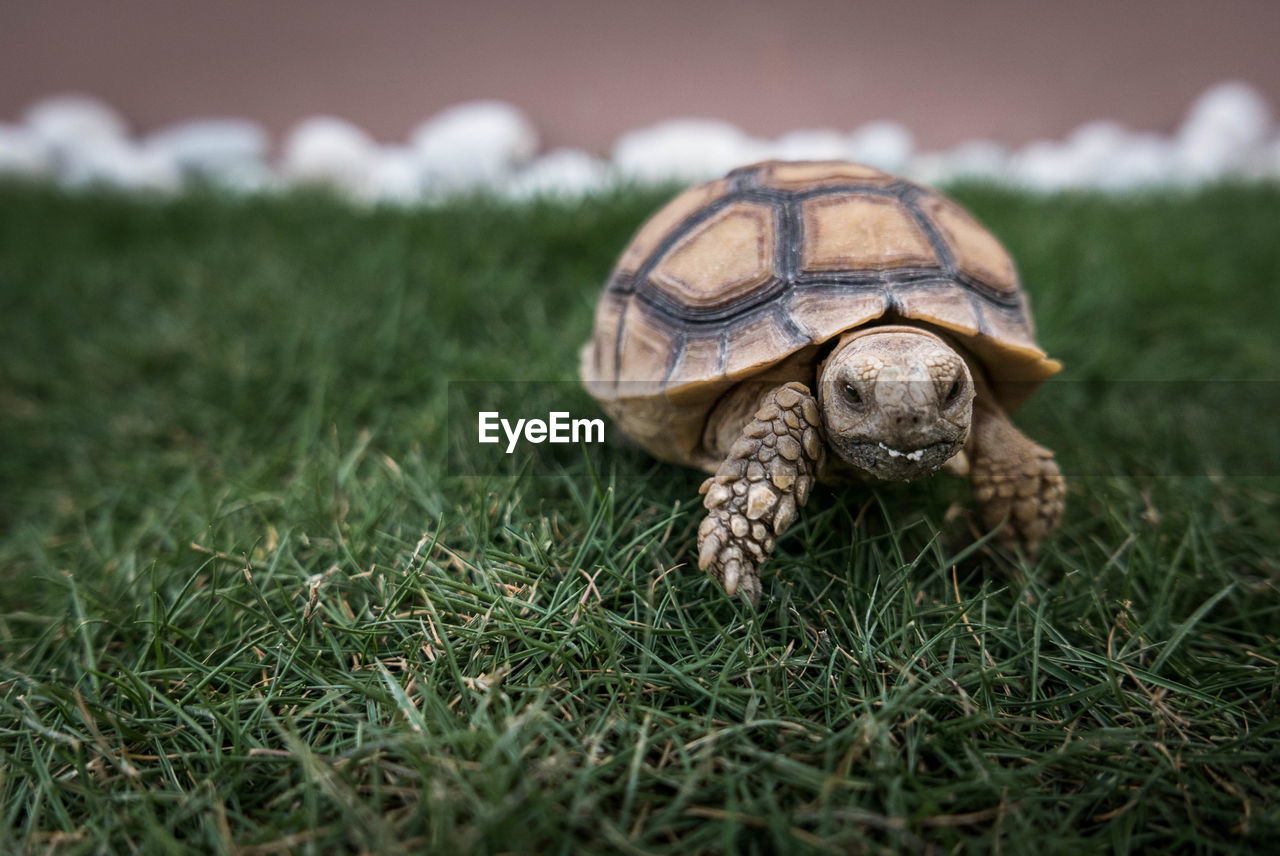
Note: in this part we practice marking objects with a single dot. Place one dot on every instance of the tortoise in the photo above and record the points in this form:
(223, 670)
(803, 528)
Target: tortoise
(802, 321)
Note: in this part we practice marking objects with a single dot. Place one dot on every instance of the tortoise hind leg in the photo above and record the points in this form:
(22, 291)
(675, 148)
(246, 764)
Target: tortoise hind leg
(755, 494)
(1013, 478)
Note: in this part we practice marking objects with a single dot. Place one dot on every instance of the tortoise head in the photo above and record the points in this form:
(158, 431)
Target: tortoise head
(896, 401)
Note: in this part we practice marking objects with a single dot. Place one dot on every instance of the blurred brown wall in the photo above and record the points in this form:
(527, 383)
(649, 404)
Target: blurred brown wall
(586, 71)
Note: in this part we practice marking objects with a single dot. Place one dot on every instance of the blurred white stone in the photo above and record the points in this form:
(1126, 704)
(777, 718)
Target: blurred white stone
(397, 176)
(1043, 165)
(972, 160)
(1101, 155)
(883, 145)
(329, 152)
(810, 144)
(1268, 164)
(74, 121)
(1141, 161)
(473, 145)
(118, 164)
(1223, 131)
(22, 153)
(1092, 145)
(684, 150)
(224, 151)
(929, 168)
(980, 158)
(487, 145)
(564, 173)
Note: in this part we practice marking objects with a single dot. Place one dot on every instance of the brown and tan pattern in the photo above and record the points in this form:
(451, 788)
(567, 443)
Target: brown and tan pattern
(741, 296)
(664, 221)
(975, 250)
(808, 175)
(852, 232)
(725, 258)
(732, 276)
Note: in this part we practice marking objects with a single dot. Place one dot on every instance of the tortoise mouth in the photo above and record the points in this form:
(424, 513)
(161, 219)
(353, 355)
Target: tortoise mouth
(882, 461)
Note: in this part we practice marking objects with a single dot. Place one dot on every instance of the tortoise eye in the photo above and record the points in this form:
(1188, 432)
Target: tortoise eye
(851, 394)
(954, 391)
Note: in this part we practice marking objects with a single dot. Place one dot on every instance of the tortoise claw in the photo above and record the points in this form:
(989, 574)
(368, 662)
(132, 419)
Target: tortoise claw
(757, 490)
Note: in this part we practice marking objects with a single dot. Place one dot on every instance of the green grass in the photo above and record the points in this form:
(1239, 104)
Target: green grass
(243, 609)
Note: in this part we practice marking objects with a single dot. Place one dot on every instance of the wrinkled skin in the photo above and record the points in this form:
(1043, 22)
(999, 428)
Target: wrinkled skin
(896, 403)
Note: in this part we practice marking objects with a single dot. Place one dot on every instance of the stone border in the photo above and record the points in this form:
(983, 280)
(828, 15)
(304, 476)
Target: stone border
(77, 141)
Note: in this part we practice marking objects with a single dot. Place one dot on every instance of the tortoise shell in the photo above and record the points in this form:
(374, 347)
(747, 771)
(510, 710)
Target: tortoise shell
(734, 276)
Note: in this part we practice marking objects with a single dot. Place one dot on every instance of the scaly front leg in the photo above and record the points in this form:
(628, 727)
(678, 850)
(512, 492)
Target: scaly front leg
(1014, 479)
(756, 492)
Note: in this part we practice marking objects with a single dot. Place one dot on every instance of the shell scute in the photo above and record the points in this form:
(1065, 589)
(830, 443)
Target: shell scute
(975, 250)
(657, 227)
(850, 232)
(808, 175)
(724, 259)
